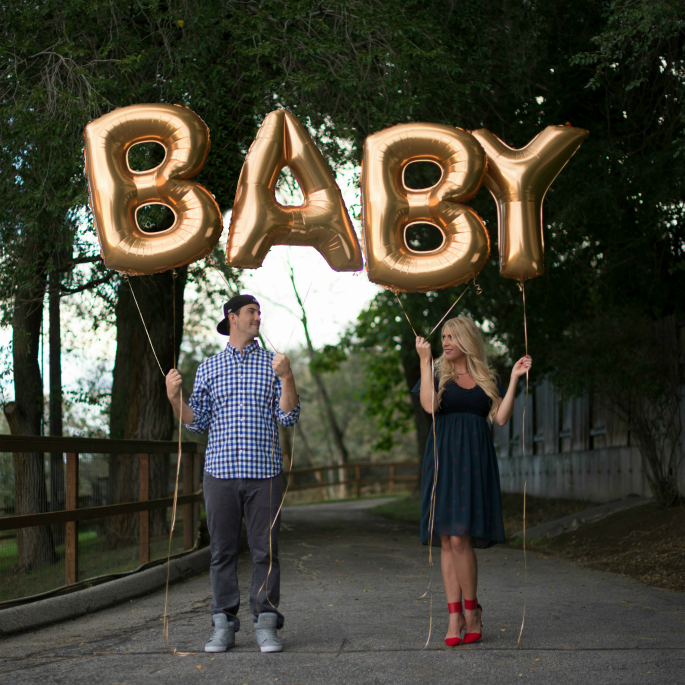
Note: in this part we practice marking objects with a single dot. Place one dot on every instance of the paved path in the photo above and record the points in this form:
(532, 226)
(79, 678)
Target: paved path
(351, 583)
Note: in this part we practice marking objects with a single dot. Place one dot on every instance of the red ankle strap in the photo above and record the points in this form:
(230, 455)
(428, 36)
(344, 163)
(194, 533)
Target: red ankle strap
(454, 607)
(470, 604)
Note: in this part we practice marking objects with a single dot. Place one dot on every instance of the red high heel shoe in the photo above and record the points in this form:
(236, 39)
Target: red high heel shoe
(472, 605)
(454, 608)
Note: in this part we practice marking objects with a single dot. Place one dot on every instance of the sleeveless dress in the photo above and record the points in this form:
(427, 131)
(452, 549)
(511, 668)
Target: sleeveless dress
(468, 499)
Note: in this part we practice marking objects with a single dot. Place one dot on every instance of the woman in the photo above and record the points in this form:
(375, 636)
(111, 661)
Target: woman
(464, 500)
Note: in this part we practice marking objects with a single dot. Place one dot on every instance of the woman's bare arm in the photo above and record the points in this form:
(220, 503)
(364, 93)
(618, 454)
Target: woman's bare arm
(428, 396)
(506, 405)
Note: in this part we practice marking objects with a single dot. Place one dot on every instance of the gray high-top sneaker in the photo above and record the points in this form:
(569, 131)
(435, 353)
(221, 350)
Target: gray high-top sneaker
(224, 634)
(265, 632)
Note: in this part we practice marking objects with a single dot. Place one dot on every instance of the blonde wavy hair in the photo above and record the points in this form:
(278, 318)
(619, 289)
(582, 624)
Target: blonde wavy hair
(468, 337)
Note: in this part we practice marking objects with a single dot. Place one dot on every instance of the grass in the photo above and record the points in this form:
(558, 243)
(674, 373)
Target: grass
(538, 510)
(93, 561)
(407, 509)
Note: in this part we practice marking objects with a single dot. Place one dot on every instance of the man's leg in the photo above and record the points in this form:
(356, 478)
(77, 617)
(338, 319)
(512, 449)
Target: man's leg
(262, 499)
(224, 505)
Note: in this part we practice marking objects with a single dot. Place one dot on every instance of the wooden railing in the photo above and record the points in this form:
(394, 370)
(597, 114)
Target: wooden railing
(356, 482)
(192, 456)
(190, 494)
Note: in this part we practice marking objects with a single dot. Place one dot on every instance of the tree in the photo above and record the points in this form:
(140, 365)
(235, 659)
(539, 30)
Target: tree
(614, 219)
(334, 64)
(636, 365)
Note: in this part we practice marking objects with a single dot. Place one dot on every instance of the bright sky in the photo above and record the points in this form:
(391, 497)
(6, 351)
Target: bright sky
(332, 299)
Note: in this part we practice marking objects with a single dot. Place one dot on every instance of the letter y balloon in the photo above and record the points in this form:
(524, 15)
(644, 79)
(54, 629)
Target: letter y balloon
(519, 180)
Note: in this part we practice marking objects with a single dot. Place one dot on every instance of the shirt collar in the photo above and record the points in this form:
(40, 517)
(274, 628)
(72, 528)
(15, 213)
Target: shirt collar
(233, 351)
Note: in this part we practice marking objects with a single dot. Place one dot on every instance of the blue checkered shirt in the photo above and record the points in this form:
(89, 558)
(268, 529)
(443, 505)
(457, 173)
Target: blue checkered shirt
(237, 397)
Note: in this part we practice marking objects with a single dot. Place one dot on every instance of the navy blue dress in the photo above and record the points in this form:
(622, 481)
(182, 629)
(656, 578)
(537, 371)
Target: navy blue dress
(468, 499)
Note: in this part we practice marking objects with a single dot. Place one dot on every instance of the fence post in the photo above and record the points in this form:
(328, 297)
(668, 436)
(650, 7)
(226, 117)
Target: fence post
(188, 531)
(144, 554)
(392, 479)
(358, 480)
(319, 479)
(71, 538)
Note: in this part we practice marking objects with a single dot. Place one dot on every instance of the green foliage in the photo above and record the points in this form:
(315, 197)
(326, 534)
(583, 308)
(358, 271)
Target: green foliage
(340, 66)
(614, 221)
(328, 359)
(345, 386)
(384, 337)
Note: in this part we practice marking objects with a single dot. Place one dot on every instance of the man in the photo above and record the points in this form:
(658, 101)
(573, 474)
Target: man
(238, 395)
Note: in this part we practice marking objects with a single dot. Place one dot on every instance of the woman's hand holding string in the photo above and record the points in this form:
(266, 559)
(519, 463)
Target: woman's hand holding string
(424, 349)
(522, 366)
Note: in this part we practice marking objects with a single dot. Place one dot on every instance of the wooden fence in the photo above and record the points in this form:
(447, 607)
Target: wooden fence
(191, 493)
(350, 476)
(356, 482)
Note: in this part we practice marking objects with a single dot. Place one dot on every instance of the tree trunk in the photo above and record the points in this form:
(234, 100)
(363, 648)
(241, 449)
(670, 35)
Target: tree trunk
(57, 496)
(35, 546)
(140, 409)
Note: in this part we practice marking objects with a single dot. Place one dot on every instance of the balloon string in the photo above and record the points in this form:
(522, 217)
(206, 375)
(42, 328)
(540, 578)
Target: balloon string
(406, 316)
(130, 285)
(454, 304)
(269, 341)
(272, 523)
(173, 276)
(165, 620)
(451, 308)
(525, 482)
(431, 512)
(213, 263)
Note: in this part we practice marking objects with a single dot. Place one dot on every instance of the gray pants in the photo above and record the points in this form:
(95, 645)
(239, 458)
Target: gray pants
(227, 501)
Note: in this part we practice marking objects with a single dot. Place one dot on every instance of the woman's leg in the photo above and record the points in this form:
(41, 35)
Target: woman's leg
(466, 570)
(452, 587)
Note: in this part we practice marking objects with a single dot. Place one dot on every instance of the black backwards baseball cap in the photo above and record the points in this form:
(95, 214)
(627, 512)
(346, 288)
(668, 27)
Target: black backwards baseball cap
(232, 306)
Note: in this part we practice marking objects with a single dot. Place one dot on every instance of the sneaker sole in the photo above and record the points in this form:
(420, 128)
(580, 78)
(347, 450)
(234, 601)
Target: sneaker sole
(214, 650)
(271, 649)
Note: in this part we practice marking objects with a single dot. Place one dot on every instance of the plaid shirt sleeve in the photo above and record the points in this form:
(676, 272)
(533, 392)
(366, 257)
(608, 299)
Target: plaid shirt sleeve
(284, 418)
(200, 403)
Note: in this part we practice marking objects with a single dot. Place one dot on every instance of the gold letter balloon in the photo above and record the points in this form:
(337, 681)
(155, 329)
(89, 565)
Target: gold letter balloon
(519, 180)
(259, 221)
(117, 192)
(390, 207)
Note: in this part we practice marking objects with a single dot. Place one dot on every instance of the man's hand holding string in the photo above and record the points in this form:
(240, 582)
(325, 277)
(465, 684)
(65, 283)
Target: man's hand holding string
(173, 392)
(281, 367)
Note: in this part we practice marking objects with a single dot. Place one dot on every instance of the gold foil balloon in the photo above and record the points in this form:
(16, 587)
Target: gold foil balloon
(117, 192)
(518, 180)
(259, 221)
(390, 207)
